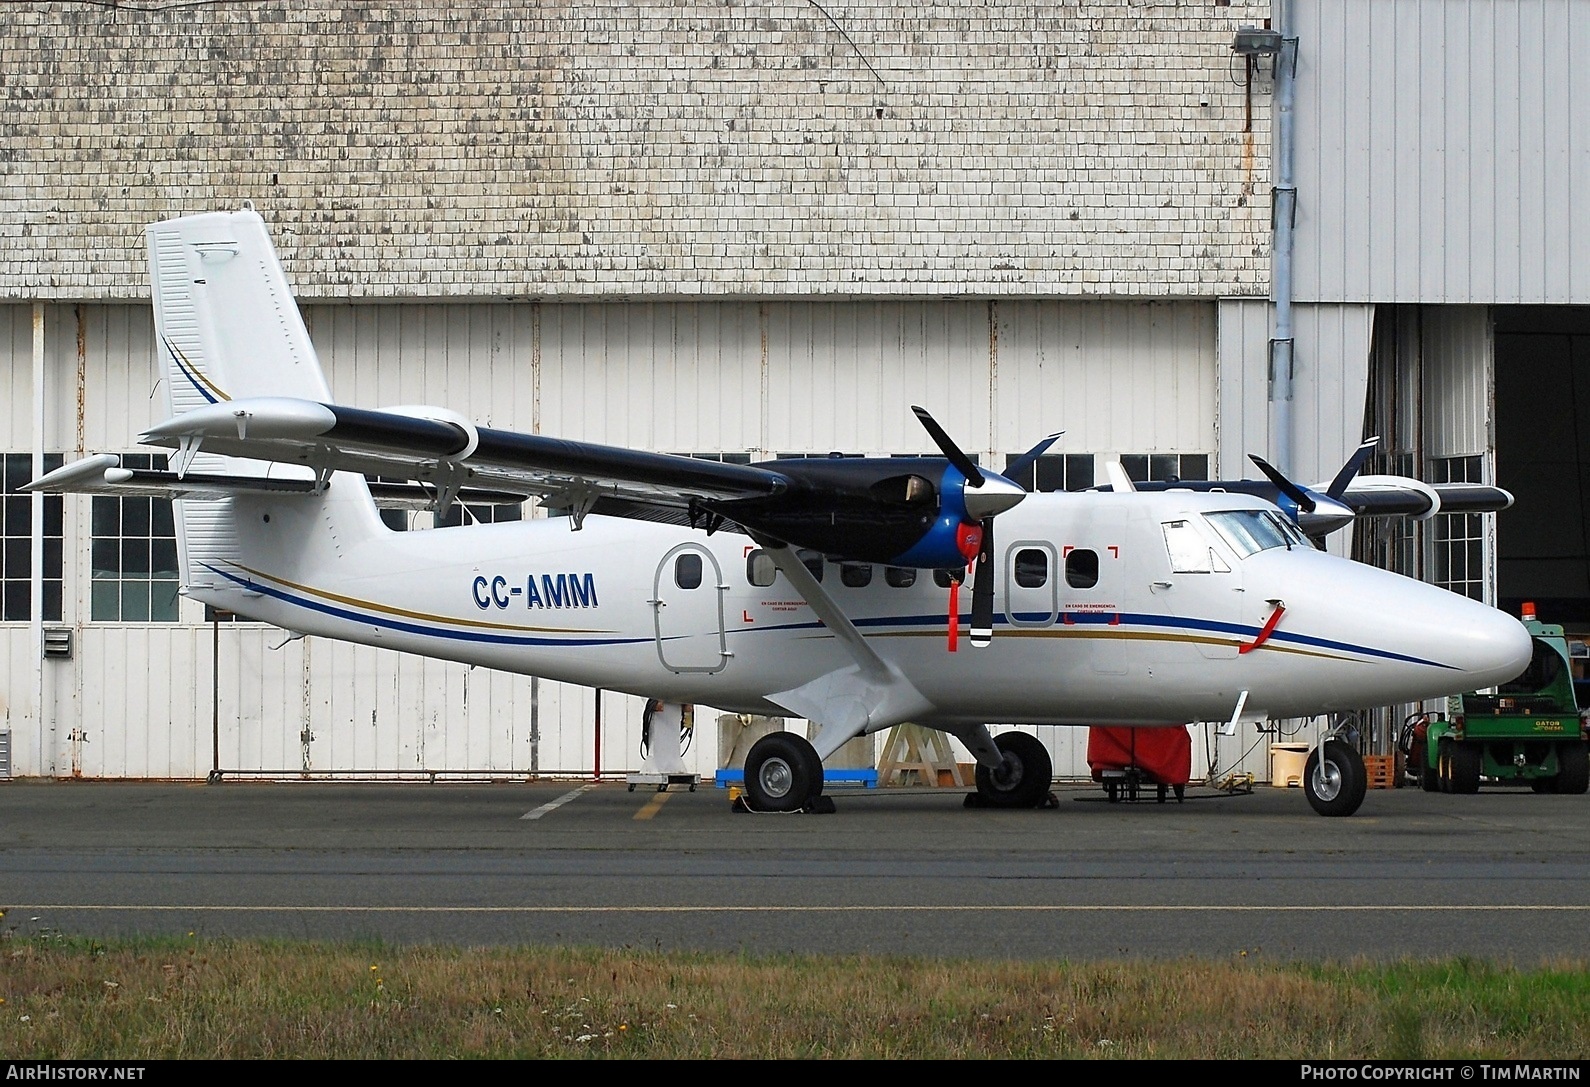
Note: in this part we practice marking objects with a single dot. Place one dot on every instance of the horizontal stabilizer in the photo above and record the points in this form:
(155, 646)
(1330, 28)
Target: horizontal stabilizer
(102, 474)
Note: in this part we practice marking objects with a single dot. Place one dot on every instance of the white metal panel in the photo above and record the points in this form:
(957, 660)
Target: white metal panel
(1115, 376)
(1331, 356)
(675, 377)
(844, 376)
(1243, 399)
(1440, 154)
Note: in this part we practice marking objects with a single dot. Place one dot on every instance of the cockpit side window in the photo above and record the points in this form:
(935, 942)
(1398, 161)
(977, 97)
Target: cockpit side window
(1189, 551)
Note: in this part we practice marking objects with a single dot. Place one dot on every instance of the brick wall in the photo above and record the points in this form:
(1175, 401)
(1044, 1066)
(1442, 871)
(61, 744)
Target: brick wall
(729, 148)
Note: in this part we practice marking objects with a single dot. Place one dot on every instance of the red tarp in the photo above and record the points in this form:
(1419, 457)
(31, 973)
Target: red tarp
(1164, 755)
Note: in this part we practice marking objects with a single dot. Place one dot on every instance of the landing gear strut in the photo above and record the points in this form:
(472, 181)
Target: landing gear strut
(1334, 778)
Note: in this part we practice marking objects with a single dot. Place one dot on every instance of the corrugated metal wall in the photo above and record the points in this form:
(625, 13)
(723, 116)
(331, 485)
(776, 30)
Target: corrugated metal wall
(1443, 153)
(1330, 384)
(757, 377)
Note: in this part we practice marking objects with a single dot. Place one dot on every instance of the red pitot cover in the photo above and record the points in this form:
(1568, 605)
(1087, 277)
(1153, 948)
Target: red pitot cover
(1163, 754)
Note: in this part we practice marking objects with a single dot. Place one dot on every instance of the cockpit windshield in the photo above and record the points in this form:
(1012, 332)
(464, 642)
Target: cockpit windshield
(1250, 531)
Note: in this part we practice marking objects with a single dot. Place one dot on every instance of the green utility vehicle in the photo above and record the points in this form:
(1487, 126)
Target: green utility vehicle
(1529, 731)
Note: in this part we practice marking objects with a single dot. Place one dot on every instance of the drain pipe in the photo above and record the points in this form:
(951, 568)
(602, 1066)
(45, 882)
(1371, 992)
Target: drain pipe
(1283, 217)
(45, 751)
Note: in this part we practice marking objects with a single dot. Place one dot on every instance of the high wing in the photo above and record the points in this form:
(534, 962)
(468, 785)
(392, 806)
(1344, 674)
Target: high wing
(900, 511)
(447, 453)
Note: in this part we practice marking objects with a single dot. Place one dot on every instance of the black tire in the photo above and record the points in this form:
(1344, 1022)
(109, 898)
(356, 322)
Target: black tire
(1429, 778)
(1418, 757)
(1464, 767)
(1573, 767)
(1334, 779)
(1543, 785)
(1030, 772)
(782, 773)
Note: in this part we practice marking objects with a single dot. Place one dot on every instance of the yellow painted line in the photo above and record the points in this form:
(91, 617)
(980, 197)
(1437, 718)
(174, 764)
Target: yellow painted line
(653, 806)
(1443, 908)
(554, 805)
(199, 375)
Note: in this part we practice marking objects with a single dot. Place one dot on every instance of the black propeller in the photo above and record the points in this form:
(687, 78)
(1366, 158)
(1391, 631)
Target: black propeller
(976, 539)
(1304, 500)
(963, 464)
(1349, 470)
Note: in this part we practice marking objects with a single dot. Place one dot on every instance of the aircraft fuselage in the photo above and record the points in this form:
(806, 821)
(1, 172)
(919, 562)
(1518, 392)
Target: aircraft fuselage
(1109, 609)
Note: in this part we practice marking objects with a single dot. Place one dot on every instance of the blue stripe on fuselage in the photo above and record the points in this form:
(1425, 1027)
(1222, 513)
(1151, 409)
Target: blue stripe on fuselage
(414, 628)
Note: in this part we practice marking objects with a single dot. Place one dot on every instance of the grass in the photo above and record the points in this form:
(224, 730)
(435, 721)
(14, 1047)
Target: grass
(67, 998)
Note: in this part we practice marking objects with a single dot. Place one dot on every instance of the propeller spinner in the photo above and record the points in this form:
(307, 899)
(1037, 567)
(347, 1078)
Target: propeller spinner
(985, 496)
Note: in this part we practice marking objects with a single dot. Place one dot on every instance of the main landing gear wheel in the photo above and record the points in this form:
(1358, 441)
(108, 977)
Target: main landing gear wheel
(1024, 778)
(783, 773)
(1334, 779)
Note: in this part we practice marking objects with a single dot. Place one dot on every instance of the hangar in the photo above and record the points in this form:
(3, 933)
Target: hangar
(748, 230)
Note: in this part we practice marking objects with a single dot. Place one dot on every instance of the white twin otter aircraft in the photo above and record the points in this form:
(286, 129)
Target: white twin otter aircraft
(813, 588)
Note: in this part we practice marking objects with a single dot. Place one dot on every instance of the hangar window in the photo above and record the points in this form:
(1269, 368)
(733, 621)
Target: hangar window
(760, 569)
(1032, 568)
(899, 577)
(1054, 472)
(16, 541)
(133, 554)
(1082, 568)
(405, 506)
(687, 571)
(1166, 467)
(1458, 540)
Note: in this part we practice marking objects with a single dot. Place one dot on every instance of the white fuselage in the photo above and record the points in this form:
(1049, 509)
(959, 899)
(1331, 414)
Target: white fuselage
(1144, 644)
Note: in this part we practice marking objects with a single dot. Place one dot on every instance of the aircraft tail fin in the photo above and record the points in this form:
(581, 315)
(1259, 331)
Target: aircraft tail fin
(228, 328)
(226, 324)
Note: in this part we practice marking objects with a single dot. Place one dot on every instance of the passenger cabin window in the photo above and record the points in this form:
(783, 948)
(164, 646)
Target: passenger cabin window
(813, 561)
(1250, 531)
(855, 575)
(687, 571)
(1189, 552)
(899, 577)
(1032, 568)
(1082, 568)
(942, 578)
(760, 570)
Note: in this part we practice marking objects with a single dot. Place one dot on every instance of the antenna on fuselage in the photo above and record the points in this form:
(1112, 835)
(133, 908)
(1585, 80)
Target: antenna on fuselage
(1120, 482)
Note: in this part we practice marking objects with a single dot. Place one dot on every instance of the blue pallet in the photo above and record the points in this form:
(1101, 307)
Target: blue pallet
(867, 778)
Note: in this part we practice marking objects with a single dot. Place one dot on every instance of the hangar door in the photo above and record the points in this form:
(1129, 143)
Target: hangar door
(1543, 457)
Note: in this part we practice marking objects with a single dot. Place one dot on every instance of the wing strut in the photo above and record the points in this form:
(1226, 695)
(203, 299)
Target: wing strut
(869, 695)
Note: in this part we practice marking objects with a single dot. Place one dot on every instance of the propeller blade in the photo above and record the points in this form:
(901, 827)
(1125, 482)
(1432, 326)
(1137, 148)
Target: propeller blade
(983, 589)
(1338, 485)
(963, 464)
(1023, 462)
(1288, 488)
